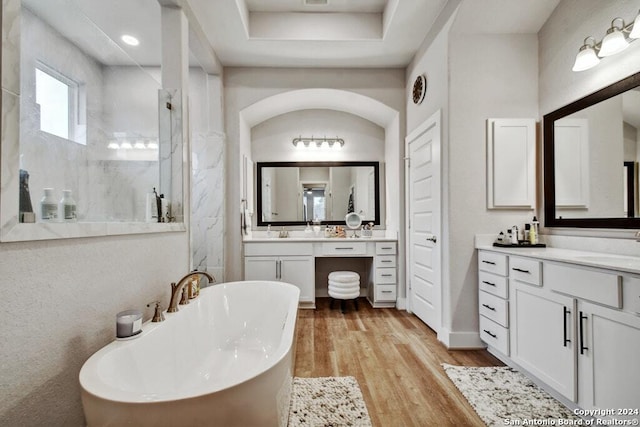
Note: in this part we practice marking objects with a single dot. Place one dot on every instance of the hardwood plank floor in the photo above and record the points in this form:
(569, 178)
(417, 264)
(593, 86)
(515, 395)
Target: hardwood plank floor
(395, 358)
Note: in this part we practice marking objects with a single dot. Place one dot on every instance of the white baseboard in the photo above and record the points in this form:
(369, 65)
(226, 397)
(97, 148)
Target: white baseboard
(401, 303)
(460, 340)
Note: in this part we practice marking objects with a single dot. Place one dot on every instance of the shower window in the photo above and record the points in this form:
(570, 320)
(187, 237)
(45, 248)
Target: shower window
(58, 99)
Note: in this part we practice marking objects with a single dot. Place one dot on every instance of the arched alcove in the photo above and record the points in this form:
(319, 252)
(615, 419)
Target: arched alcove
(330, 99)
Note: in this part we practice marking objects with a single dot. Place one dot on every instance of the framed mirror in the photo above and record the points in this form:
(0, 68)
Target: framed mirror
(591, 156)
(84, 116)
(297, 193)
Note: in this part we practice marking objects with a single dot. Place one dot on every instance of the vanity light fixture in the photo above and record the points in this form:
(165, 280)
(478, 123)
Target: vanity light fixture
(113, 145)
(317, 143)
(126, 145)
(139, 145)
(613, 42)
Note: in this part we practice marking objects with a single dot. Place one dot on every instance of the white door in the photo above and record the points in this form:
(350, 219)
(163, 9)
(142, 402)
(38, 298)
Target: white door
(423, 198)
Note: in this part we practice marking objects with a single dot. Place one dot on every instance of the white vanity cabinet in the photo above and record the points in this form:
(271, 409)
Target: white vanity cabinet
(542, 335)
(576, 328)
(385, 278)
(492, 300)
(286, 262)
(608, 352)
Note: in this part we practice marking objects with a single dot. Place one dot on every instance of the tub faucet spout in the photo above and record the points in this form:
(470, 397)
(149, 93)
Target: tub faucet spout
(176, 288)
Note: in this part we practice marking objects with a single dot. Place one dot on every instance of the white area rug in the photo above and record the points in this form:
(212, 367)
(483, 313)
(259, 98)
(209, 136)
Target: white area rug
(327, 401)
(500, 393)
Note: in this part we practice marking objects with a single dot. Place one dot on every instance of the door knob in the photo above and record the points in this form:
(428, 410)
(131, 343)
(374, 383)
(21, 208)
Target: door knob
(432, 239)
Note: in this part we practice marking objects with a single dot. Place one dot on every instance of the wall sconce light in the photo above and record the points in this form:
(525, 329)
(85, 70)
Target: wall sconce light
(613, 42)
(317, 143)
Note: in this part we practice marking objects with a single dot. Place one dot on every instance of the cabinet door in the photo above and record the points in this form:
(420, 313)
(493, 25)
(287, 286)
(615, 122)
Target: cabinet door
(260, 268)
(542, 336)
(511, 162)
(608, 348)
(300, 271)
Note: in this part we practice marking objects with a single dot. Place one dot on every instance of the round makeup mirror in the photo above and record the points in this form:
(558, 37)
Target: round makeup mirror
(353, 221)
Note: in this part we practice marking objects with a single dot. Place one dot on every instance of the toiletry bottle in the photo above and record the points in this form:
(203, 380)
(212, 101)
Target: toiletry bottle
(514, 235)
(501, 238)
(526, 234)
(269, 230)
(164, 209)
(67, 207)
(533, 232)
(48, 206)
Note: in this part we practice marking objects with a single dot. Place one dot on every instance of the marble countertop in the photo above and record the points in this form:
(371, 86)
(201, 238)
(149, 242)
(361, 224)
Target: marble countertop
(624, 263)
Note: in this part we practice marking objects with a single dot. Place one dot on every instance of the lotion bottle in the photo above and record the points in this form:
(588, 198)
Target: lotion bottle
(48, 206)
(67, 207)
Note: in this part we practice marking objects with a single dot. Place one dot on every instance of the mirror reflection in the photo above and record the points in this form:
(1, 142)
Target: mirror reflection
(596, 150)
(89, 126)
(591, 158)
(296, 193)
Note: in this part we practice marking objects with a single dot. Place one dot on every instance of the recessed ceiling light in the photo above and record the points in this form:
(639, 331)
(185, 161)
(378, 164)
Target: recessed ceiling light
(130, 40)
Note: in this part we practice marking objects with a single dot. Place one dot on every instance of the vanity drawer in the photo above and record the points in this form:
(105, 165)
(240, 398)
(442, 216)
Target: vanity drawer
(494, 308)
(631, 294)
(492, 262)
(494, 335)
(278, 249)
(385, 275)
(592, 285)
(385, 261)
(525, 270)
(494, 284)
(385, 248)
(385, 293)
(344, 248)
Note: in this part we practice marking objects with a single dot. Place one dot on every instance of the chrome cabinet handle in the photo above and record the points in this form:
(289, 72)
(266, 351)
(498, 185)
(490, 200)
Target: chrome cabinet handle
(344, 248)
(386, 292)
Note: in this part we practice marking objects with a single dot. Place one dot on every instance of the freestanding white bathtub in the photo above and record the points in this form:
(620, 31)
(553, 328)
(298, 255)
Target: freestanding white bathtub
(226, 359)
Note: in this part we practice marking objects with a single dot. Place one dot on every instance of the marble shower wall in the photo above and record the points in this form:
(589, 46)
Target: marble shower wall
(108, 185)
(207, 180)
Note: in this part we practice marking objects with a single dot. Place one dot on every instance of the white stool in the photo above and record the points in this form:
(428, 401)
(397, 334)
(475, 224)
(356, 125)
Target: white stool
(344, 285)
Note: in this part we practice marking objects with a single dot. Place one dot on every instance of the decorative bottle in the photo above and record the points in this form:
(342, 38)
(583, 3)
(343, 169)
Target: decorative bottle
(67, 207)
(48, 206)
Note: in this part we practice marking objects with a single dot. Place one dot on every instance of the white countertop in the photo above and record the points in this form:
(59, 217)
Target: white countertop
(624, 263)
(277, 239)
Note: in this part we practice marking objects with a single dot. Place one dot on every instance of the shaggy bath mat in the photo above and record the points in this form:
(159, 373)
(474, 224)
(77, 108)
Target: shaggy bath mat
(500, 393)
(327, 401)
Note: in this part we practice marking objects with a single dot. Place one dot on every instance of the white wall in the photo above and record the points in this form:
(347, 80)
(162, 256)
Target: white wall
(246, 86)
(271, 140)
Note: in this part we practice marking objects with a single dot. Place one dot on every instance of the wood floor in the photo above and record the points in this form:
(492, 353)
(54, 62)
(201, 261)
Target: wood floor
(395, 358)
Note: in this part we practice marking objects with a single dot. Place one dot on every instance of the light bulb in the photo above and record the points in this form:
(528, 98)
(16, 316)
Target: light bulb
(585, 59)
(613, 42)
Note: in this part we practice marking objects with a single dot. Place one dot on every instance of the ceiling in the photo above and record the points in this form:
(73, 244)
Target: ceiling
(285, 33)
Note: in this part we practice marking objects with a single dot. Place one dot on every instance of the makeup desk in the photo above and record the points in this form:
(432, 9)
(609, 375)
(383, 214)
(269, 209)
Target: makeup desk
(306, 262)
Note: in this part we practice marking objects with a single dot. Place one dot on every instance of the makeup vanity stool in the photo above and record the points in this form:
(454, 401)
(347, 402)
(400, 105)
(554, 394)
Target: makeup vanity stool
(344, 285)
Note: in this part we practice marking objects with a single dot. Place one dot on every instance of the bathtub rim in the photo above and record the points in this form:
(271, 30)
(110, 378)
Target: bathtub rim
(91, 383)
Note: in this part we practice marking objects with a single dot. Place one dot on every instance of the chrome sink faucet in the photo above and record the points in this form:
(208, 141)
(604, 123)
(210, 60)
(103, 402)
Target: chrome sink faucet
(176, 288)
(638, 236)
